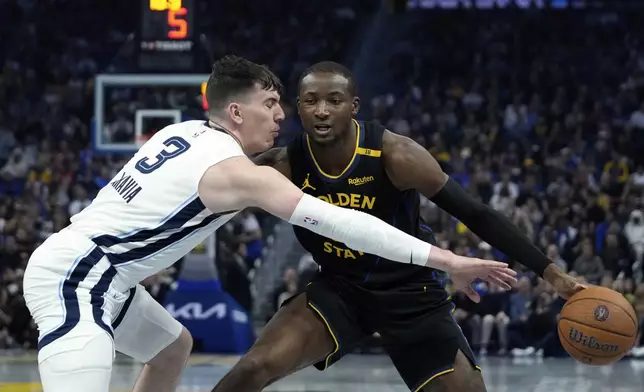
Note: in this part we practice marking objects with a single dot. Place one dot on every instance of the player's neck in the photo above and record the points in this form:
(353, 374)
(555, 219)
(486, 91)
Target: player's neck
(218, 125)
(334, 157)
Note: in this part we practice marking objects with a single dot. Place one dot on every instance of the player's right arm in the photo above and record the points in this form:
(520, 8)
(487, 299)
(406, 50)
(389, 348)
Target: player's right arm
(237, 183)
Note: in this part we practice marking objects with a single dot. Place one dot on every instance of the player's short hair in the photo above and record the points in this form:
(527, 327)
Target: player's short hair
(332, 68)
(232, 76)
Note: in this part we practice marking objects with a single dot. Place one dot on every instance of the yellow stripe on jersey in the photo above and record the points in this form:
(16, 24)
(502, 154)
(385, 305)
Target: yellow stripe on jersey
(369, 152)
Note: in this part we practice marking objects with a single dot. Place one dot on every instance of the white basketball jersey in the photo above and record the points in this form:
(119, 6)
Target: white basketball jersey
(150, 214)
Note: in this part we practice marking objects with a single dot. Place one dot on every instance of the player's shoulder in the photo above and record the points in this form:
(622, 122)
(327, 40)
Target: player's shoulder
(372, 126)
(198, 133)
(374, 129)
(396, 147)
(191, 128)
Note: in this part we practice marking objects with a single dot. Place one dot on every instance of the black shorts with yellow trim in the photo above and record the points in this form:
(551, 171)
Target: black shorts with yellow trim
(420, 336)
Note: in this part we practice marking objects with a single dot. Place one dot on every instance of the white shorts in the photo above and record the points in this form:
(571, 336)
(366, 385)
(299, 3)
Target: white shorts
(69, 290)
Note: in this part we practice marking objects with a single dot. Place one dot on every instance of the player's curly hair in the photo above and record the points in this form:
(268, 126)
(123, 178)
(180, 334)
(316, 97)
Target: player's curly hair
(232, 76)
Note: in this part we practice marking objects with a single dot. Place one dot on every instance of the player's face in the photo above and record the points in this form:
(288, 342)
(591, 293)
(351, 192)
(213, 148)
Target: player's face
(326, 106)
(261, 113)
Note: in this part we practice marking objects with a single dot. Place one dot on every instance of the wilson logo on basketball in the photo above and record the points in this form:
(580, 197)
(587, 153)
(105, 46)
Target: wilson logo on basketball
(577, 336)
(601, 313)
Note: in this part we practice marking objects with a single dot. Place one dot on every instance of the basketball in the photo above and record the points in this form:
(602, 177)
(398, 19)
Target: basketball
(597, 326)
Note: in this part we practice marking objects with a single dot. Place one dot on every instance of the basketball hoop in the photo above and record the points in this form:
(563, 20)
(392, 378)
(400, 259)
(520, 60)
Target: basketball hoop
(145, 120)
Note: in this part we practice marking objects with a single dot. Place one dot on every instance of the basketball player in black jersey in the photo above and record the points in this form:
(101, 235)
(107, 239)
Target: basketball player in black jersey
(362, 165)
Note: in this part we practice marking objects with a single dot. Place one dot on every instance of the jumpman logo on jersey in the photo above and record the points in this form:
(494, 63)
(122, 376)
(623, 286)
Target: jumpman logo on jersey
(307, 184)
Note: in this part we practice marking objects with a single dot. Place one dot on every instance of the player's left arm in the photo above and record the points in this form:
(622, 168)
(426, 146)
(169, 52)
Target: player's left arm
(410, 166)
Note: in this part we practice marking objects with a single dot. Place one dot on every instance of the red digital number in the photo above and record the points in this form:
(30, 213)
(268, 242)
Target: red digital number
(179, 27)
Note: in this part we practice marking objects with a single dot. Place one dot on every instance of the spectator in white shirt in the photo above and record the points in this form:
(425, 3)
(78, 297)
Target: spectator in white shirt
(513, 188)
(637, 118)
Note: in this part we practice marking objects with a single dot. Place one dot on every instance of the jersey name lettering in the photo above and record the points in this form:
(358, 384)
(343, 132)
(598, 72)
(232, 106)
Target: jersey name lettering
(127, 187)
(353, 200)
(344, 253)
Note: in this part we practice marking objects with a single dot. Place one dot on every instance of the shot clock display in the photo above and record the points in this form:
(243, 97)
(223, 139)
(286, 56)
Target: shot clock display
(167, 34)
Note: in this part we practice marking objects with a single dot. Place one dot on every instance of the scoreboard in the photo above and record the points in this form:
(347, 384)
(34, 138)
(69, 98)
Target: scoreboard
(167, 35)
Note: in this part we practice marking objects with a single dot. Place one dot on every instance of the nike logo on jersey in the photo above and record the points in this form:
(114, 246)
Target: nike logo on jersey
(199, 132)
(127, 187)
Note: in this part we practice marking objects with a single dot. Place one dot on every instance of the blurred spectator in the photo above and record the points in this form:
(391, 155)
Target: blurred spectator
(616, 260)
(79, 200)
(493, 308)
(159, 284)
(465, 314)
(543, 324)
(638, 304)
(250, 233)
(520, 304)
(521, 219)
(289, 287)
(506, 188)
(634, 231)
(16, 327)
(589, 265)
(635, 184)
(306, 269)
(234, 274)
(637, 118)
(553, 254)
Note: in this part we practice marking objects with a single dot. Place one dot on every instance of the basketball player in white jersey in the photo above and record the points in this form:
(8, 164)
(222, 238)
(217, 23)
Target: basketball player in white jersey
(82, 284)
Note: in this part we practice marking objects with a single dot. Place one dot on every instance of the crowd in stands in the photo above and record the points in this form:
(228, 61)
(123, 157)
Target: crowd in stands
(539, 115)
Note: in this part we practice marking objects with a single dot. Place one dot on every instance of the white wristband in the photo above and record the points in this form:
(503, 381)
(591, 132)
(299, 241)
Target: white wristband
(360, 231)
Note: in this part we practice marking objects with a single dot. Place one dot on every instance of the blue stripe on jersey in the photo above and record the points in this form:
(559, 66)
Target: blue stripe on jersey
(70, 300)
(97, 298)
(60, 291)
(152, 248)
(175, 220)
(119, 319)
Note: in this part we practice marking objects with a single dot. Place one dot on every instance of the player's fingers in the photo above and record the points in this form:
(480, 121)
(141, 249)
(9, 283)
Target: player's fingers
(498, 282)
(473, 295)
(509, 271)
(505, 275)
(504, 270)
(491, 264)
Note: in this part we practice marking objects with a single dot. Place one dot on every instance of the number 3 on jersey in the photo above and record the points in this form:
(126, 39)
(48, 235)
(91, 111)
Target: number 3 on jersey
(176, 146)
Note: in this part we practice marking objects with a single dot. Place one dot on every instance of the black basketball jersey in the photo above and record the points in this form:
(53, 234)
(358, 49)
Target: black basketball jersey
(363, 185)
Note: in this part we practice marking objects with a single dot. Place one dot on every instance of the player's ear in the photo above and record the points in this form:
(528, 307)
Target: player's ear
(355, 106)
(297, 104)
(234, 112)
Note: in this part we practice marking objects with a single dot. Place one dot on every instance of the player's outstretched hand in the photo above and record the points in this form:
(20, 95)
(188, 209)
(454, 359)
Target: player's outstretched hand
(565, 285)
(465, 270)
